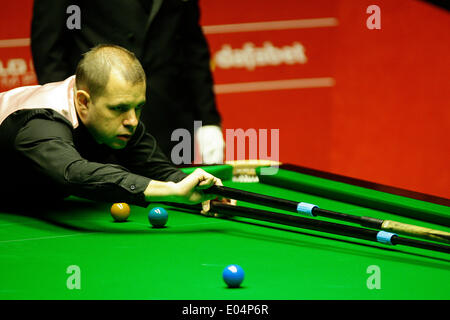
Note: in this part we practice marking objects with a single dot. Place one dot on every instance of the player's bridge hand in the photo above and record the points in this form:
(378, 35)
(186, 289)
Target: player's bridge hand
(206, 207)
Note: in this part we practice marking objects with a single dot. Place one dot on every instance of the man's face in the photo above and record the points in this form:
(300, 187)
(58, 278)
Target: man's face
(113, 117)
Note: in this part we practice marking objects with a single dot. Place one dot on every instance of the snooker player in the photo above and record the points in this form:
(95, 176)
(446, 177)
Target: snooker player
(82, 136)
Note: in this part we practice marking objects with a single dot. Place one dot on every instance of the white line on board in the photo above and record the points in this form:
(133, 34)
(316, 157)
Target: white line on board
(274, 85)
(271, 25)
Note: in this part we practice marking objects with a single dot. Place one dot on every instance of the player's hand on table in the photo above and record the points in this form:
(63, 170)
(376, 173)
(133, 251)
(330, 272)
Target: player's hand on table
(206, 205)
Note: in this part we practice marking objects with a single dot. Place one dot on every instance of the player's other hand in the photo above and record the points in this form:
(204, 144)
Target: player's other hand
(189, 190)
(206, 205)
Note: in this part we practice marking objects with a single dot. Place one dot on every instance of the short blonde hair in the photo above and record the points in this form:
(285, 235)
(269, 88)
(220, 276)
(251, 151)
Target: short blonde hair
(94, 69)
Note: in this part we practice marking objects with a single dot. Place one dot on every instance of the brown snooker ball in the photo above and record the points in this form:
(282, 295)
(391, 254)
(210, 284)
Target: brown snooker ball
(120, 211)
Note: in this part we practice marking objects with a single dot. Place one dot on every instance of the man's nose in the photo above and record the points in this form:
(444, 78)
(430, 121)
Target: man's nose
(131, 120)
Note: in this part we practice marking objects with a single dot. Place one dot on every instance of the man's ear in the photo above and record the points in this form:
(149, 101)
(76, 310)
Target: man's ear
(83, 100)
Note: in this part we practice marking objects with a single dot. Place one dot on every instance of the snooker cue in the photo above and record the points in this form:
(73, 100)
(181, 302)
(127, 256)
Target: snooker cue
(323, 226)
(292, 206)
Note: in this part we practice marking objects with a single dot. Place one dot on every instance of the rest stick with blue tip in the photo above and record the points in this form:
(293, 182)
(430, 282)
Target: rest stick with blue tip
(313, 210)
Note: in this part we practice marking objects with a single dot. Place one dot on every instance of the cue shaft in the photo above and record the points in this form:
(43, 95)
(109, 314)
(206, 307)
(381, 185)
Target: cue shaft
(293, 221)
(252, 197)
(291, 206)
(287, 205)
(323, 226)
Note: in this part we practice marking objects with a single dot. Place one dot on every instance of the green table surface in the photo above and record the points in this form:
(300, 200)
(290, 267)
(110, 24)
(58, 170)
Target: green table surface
(185, 260)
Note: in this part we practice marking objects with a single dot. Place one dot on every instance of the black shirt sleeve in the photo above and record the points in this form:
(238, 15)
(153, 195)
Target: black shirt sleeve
(49, 146)
(144, 157)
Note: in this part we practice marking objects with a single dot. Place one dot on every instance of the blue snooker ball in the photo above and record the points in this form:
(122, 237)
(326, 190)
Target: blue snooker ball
(158, 217)
(233, 275)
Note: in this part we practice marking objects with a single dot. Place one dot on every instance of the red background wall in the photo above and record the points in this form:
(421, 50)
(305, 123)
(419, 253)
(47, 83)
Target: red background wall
(387, 117)
(383, 113)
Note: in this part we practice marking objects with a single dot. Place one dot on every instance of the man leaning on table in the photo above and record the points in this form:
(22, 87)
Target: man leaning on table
(82, 136)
